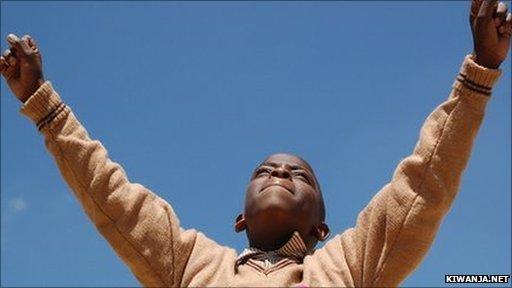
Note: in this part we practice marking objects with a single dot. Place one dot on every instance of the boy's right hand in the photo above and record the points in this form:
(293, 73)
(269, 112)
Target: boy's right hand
(22, 67)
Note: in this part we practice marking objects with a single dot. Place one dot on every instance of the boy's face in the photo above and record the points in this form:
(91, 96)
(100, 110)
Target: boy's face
(282, 197)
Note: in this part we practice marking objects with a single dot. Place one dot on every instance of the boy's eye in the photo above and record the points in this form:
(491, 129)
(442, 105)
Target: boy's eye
(260, 172)
(303, 177)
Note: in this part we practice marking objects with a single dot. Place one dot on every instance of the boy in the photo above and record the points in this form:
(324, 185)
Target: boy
(284, 210)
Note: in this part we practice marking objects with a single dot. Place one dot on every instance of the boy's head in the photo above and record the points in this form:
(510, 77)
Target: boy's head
(283, 196)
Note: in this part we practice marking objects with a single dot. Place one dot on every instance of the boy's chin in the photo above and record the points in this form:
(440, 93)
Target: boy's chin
(276, 216)
(275, 210)
(275, 207)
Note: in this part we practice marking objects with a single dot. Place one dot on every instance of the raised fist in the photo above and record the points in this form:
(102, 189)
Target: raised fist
(22, 67)
(491, 27)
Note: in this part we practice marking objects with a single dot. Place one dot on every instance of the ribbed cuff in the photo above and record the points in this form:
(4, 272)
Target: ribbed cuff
(475, 83)
(43, 106)
(478, 76)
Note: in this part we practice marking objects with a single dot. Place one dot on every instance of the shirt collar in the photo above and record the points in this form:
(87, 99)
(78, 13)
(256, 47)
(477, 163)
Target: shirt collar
(294, 249)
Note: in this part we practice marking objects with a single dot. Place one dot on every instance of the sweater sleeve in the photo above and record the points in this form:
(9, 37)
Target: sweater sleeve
(395, 230)
(141, 227)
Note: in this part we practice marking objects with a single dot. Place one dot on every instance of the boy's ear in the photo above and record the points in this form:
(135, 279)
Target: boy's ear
(321, 231)
(239, 223)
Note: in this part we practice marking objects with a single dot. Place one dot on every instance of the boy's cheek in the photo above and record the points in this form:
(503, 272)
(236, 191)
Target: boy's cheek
(252, 191)
(254, 186)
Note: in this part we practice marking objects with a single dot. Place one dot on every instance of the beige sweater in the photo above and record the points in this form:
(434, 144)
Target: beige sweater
(391, 236)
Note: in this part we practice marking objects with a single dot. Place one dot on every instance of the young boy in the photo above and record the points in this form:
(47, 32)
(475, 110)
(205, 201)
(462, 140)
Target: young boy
(284, 210)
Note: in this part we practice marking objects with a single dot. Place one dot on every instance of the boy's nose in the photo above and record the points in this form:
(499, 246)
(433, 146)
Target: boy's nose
(281, 172)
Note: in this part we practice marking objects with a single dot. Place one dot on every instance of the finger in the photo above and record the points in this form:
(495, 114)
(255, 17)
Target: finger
(20, 46)
(475, 7)
(505, 30)
(11, 60)
(31, 43)
(501, 13)
(9, 57)
(487, 8)
(6, 53)
(3, 64)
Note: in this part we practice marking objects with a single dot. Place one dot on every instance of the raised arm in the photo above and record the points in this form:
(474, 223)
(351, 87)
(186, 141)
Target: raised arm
(396, 229)
(141, 227)
(394, 232)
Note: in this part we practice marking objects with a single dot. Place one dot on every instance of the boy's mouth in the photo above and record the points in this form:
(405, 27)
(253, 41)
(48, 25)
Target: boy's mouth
(281, 183)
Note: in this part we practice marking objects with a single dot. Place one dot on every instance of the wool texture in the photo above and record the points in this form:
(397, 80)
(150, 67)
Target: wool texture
(391, 236)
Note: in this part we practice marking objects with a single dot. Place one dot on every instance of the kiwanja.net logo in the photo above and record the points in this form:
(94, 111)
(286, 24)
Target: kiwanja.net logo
(476, 278)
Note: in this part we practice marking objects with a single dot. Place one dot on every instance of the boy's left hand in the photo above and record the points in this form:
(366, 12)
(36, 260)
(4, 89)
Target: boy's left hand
(492, 28)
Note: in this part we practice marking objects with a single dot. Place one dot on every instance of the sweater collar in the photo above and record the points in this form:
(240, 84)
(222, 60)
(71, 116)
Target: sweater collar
(294, 249)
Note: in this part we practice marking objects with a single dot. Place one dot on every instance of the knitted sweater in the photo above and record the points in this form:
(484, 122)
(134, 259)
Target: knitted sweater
(391, 236)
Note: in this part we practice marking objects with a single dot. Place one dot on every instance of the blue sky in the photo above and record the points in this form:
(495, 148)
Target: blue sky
(189, 97)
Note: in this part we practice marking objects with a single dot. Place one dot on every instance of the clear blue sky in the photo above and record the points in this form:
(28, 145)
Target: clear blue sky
(189, 97)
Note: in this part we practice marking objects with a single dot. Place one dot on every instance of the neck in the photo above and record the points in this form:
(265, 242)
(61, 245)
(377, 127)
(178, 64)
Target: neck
(269, 240)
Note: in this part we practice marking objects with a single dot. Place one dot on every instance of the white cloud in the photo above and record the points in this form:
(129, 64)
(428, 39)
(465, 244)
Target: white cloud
(18, 204)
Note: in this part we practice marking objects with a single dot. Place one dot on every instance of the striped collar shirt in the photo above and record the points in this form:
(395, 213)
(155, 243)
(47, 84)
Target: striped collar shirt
(293, 250)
